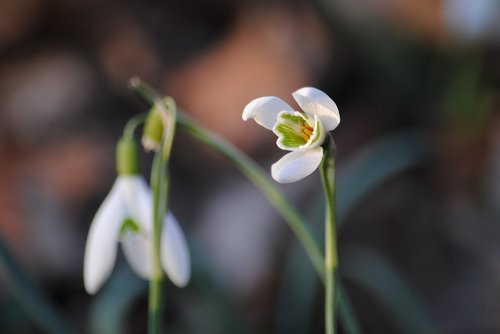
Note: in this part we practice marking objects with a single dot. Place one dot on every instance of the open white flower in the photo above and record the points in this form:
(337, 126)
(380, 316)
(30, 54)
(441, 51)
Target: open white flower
(126, 215)
(302, 133)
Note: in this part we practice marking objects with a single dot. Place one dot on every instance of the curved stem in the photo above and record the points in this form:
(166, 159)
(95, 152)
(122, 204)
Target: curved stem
(260, 178)
(160, 187)
(331, 258)
(132, 124)
(255, 174)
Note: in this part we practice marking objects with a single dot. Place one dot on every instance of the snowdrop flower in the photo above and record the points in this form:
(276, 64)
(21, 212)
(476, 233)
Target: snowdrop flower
(126, 216)
(302, 133)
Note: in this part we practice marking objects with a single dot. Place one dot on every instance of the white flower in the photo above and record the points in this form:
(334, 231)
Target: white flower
(302, 133)
(126, 215)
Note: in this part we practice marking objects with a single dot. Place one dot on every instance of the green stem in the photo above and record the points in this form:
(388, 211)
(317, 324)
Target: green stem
(155, 284)
(160, 187)
(132, 124)
(331, 259)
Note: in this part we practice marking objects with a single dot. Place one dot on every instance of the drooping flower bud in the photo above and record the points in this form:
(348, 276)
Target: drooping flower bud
(153, 130)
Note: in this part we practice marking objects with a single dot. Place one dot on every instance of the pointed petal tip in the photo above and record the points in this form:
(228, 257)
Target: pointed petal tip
(253, 108)
(175, 255)
(264, 110)
(248, 111)
(94, 276)
(181, 280)
(137, 250)
(90, 287)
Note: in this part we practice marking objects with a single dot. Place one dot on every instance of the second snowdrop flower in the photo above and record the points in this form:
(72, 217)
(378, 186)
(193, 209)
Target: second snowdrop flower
(301, 132)
(126, 216)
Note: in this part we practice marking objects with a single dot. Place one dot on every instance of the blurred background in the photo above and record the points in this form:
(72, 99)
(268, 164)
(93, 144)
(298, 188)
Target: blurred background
(418, 88)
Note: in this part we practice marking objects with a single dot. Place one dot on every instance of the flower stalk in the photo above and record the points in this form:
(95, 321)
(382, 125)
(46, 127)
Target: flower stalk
(331, 258)
(160, 187)
(132, 124)
(155, 284)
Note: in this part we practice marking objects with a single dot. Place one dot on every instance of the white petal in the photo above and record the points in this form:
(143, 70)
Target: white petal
(175, 257)
(138, 200)
(295, 166)
(100, 250)
(315, 102)
(137, 249)
(265, 110)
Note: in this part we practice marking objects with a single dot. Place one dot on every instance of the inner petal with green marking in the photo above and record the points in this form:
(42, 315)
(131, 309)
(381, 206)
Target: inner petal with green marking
(297, 131)
(129, 225)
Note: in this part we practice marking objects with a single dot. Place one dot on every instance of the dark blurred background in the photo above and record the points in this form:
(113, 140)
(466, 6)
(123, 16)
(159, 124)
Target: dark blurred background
(417, 83)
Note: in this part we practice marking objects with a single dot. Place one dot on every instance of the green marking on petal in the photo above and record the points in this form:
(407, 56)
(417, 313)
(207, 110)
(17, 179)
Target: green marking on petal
(295, 118)
(129, 225)
(294, 130)
(289, 135)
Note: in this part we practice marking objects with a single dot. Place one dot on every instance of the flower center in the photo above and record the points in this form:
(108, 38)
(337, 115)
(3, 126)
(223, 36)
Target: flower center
(296, 131)
(307, 131)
